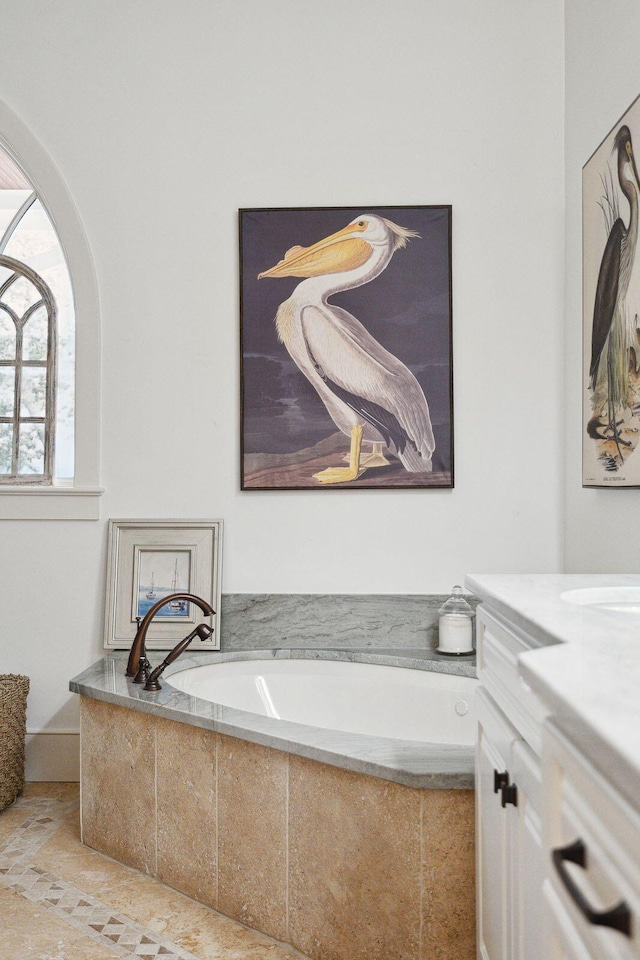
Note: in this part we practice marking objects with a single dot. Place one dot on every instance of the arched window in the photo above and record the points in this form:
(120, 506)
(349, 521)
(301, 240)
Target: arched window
(49, 340)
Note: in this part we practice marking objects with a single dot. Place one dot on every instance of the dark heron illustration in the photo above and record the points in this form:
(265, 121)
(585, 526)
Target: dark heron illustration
(610, 338)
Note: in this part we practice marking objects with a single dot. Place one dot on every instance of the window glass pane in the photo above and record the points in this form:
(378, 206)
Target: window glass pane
(31, 448)
(6, 444)
(35, 243)
(5, 273)
(35, 336)
(64, 449)
(10, 203)
(7, 337)
(33, 392)
(21, 295)
(7, 390)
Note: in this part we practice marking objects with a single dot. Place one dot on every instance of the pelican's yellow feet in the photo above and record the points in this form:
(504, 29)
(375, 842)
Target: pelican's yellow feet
(355, 468)
(374, 459)
(338, 474)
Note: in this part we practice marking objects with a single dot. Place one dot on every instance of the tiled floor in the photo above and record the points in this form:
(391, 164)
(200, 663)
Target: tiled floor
(59, 900)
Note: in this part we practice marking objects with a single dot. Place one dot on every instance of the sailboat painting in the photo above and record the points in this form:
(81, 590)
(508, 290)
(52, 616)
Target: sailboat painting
(160, 574)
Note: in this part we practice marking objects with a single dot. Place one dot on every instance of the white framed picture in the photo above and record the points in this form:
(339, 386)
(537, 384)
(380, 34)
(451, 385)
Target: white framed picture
(152, 560)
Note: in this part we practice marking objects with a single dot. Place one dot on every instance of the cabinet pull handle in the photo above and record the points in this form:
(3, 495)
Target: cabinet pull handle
(510, 795)
(618, 917)
(500, 780)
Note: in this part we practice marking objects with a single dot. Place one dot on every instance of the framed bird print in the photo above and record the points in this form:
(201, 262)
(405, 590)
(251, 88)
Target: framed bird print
(611, 308)
(346, 375)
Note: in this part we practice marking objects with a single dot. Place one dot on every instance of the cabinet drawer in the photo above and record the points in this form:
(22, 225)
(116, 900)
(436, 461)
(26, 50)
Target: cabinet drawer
(592, 858)
(562, 940)
(498, 652)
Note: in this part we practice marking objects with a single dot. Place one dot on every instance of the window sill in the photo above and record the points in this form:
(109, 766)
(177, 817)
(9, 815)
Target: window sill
(50, 503)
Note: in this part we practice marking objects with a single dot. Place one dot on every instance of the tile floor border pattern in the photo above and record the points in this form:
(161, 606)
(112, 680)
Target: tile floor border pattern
(115, 931)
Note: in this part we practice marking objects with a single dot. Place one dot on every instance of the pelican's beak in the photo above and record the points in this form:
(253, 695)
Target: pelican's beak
(340, 252)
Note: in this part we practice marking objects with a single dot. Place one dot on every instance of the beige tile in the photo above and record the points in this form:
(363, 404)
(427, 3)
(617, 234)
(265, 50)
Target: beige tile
(93, 873)
(118, 783)
(158, 908)
(29, 932)
(448, 837)
(84, 948)
(186, 809)
(65, 842)
(354, 865)
(218, 938)
(11, 818)
(252, 830)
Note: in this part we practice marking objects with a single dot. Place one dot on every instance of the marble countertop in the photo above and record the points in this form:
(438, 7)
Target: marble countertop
(433, 766)
(584, 663)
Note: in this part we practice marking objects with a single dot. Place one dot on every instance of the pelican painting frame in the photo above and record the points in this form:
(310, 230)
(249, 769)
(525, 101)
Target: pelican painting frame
(611, 308)
(328, 401)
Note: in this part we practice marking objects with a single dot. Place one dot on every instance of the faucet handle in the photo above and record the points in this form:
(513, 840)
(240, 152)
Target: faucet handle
(144, 668)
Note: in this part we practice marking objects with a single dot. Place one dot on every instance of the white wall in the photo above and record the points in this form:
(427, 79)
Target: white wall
(602, 527)
(164, 118)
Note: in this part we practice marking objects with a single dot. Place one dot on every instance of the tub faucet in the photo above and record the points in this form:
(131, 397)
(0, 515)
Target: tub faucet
(138, 666)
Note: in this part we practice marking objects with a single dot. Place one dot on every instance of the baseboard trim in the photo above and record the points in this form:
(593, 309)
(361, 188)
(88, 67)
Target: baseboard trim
(53, 757)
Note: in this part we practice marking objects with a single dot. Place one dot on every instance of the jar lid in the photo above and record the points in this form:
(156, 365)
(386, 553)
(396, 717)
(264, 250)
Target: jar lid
(456, 605)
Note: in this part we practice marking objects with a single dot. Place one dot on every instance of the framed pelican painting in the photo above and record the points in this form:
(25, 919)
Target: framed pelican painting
(611, 308)
(346, 348)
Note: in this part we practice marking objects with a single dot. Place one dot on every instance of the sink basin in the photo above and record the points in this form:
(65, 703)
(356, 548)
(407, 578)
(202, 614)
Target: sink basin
(619, 599)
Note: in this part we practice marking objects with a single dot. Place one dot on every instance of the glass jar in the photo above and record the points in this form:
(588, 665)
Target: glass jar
(455, 626)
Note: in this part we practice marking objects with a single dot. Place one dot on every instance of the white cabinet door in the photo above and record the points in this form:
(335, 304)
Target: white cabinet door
(495, 736)
(508, 844)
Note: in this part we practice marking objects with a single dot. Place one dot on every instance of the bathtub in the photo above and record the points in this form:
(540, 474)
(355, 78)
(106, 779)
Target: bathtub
(359, 698)
(325, 802)
(403, 718)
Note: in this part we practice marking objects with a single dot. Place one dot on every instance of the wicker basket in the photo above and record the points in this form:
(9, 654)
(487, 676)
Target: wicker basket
(13, 729)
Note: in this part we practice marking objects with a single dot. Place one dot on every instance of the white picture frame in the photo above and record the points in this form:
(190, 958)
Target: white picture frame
(149, 559)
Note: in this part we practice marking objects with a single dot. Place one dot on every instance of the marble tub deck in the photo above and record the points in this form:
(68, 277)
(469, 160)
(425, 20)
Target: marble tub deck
(59, 899)
(414, 764)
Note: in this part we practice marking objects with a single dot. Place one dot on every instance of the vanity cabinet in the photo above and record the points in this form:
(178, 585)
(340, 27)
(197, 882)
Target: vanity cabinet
(559, 869)
(508, 800)
(591, 859)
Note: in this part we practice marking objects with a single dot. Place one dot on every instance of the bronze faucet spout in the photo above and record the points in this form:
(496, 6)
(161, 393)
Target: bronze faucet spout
(138, 647)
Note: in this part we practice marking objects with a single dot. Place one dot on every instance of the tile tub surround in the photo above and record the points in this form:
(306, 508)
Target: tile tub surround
(341, 865)
(434, 766)
(336, 621)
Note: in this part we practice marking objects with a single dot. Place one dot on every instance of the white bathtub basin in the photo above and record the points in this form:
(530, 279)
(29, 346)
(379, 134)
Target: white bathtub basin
(380, 701)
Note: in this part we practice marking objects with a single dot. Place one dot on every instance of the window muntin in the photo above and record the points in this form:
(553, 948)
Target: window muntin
(27, 385)
(27, 235)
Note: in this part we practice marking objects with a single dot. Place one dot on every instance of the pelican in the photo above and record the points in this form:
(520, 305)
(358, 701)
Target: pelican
(609, 323)
(370, 395)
